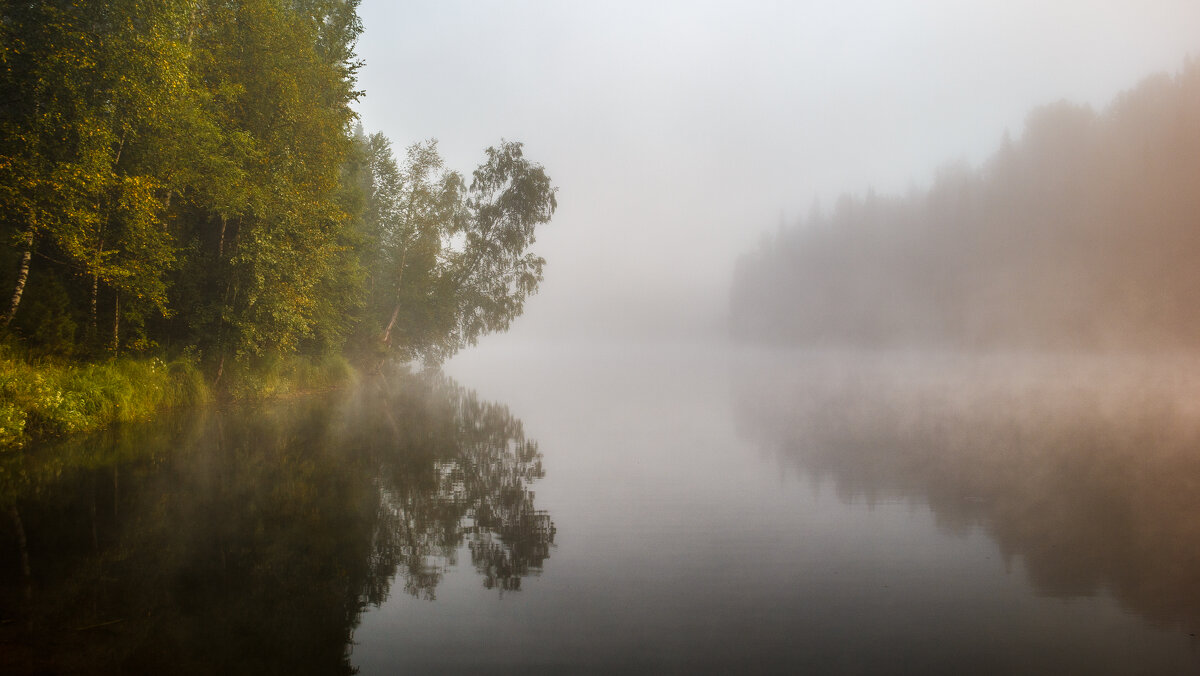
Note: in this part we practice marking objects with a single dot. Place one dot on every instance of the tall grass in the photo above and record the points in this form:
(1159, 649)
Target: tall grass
(285, 376)
(42, 399)
(45, 398)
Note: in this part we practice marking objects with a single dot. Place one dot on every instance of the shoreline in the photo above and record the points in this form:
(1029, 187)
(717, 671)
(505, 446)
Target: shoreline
(44, 401)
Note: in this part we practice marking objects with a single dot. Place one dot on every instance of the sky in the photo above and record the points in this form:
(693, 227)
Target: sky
(678, 132)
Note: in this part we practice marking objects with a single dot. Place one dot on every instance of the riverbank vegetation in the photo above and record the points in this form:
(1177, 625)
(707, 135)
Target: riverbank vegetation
(1080, 234)
(321, 509)
(49, 399)
(185, 189)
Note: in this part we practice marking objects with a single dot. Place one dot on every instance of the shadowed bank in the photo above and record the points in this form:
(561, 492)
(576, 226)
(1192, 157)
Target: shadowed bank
(250, 540)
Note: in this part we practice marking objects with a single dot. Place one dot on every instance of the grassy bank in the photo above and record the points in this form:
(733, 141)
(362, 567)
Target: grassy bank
(47, 399)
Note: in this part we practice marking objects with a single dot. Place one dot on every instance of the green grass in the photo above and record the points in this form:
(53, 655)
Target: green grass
(46, 399)
(40, 399)
(286, 376)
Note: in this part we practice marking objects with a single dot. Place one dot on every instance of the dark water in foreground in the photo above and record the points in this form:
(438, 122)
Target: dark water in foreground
(665, 511)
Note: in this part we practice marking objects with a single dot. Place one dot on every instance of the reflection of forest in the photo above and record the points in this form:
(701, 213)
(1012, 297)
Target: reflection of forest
(1088, 471)
(250, 541)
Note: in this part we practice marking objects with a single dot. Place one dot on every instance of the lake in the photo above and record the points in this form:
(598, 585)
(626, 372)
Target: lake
(598, 509)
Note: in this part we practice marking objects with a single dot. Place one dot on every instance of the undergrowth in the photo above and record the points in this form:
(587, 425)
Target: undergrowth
(45, 398)
(284, 376)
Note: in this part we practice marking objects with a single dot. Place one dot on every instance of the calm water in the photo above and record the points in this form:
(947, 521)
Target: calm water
(655, 511)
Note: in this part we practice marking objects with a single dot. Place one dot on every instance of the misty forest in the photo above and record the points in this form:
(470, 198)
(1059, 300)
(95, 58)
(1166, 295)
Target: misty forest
(281, 393)
(1079, 234)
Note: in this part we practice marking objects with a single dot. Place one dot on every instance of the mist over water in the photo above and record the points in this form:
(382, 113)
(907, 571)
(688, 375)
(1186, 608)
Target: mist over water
(679, 133)
(869, 511)
(1081, 468)
(695, 509)
(791, 399)
(250, 540)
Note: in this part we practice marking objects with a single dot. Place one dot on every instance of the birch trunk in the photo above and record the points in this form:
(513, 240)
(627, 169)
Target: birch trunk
(116, 338)
(387, 333)
(22, 275)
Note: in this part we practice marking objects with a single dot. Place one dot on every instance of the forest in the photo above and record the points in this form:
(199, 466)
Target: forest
(187, 180)
(1080, 234)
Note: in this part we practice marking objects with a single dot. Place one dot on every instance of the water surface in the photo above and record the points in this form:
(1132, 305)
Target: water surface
(656, 511)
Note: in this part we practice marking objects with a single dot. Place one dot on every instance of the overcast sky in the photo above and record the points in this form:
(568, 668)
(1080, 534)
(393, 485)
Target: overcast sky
(678, 132)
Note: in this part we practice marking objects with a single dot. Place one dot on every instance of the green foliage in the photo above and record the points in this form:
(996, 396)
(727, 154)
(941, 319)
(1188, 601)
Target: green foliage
(182, 175)
(495, 273)
(12, 425)
(101, 84)
(168, 141)
(186, 385)
(453, 260)
(48, 325)
(47, 399)
(281, 376)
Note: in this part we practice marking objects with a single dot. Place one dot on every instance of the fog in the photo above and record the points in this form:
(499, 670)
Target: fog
(679, 132)
(866, 344)
(1078, 467)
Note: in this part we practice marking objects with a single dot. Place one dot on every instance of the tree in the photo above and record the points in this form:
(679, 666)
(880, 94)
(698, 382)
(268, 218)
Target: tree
(268, 265)
(456, 262)
(416, 208)
(187, 168)
(87, 159)
(489, 280)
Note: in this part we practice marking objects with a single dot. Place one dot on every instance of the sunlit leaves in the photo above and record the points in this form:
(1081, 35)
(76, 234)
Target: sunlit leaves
(455, 261)
(188, 164)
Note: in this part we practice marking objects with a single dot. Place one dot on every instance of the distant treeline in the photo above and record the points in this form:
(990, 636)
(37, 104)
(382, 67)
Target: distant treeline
(188, 176)
(1084, 233)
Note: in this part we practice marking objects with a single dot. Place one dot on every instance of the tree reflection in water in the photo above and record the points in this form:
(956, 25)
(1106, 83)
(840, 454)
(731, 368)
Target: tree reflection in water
(465, 477)
(251, 540)
(1085, 469)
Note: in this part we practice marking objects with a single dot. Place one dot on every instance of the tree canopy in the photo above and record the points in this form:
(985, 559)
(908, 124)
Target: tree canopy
(189, 174)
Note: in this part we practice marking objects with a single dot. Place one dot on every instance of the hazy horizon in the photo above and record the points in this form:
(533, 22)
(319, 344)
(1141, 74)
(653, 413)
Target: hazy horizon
(866, 343)
(679, 133)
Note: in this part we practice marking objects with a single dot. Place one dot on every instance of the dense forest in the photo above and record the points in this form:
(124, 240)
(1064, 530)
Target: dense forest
(1081, 234)
(188, 177)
